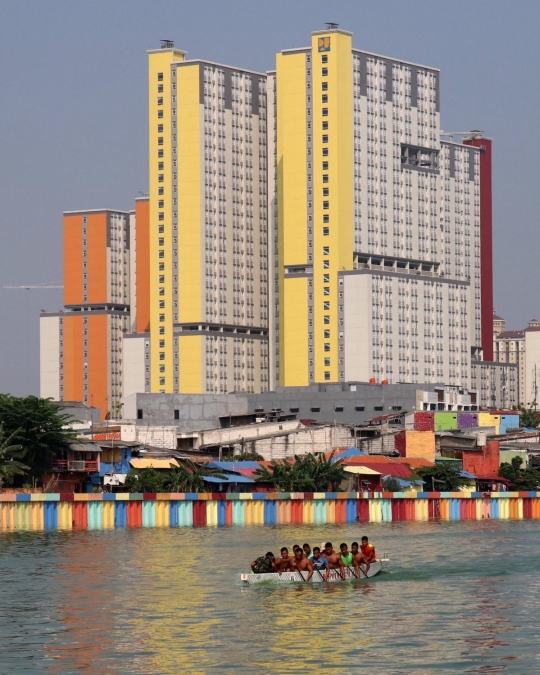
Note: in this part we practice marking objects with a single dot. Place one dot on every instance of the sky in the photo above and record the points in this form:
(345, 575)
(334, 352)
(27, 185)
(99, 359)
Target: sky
(73, 118)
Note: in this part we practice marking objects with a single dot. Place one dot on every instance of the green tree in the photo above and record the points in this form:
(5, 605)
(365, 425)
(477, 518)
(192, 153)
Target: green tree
(441, 477)
(391, 484)
(38, 426)
(189, 477)
(10, 455)
(244, 457)
(145, 480)
(305, 474)
(528, 417)
(520, 479)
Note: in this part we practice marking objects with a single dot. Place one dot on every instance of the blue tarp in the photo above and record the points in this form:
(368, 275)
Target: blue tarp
(466, 474)
(350, 452)
(227, 479)
(405, 483)
(234, 466)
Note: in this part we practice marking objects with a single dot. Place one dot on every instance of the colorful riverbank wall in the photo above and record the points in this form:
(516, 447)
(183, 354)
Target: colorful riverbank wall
(107, 511)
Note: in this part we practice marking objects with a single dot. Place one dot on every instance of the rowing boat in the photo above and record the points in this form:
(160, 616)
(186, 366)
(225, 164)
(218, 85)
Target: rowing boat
(318, 577)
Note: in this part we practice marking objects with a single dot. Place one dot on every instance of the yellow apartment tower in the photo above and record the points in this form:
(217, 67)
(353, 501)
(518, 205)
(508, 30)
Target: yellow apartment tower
(208, 226)
(377, 221)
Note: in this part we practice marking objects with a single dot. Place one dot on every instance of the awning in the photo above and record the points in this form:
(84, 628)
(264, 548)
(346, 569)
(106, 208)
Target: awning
(84, 447)
(405, 483)
(362, 470)
(227, 479)
(150, 463)
(115, 479)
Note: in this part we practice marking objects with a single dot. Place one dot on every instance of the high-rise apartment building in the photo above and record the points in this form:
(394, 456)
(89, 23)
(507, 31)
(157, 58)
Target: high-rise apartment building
(81, 346)
(378, 221)
(208, 236)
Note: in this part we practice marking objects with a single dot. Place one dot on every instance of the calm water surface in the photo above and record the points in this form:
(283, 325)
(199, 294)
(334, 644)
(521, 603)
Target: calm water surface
(457, 598)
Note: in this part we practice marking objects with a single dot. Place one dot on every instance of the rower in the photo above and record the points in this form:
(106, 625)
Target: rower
(334, 560)
(358, 559)
(264, 564)
(302, 564)
(307, 551)
(283, 564)
(347, 557)
(368, 550)
(319, 561)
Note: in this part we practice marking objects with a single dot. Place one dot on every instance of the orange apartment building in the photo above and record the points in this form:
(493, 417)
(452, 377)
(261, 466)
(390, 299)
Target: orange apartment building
(105, 251)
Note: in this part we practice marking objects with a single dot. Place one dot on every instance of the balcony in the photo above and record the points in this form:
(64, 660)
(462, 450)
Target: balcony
(74, 465)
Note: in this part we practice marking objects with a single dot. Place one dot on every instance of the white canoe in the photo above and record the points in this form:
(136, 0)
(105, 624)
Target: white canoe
(287, 577)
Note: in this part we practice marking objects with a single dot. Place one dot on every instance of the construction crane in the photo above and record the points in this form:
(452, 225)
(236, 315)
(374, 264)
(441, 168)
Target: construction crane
(34, 287)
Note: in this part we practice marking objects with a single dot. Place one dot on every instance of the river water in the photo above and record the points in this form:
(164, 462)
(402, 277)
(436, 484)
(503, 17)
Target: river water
(458, 597)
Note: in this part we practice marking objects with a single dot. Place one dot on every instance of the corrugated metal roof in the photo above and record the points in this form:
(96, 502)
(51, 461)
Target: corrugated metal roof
(227, 479)
(84, 447)
(234, 466)
(362, 470)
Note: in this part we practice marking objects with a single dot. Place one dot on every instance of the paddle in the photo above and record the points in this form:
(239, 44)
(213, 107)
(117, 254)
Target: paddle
(300, 573)
(352, 572)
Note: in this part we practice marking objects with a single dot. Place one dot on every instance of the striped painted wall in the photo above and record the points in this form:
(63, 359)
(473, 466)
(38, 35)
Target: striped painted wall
(102, 511)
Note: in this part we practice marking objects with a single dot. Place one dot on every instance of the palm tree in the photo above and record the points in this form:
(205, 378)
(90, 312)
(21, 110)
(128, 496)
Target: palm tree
(10, 454)
(189, 477)
(305, 474)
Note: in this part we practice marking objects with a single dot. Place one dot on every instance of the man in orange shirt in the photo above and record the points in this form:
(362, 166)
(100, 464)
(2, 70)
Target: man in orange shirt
(368, 551)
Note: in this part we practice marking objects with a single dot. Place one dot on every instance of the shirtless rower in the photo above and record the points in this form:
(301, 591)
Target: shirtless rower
(302, 564)
(334, 560)
(359, 560)
(284, 563)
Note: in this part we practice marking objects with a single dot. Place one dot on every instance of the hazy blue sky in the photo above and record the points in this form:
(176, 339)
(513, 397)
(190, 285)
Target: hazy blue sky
(73, 113)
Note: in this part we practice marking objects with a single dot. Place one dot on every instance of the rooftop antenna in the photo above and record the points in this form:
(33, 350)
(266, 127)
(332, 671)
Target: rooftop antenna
(167, 44)
(331, 26)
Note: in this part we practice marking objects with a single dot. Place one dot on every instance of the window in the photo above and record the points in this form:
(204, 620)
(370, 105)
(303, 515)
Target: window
(162, 368)
(378, 408)
(326, 346)
(338, 408)
(359, 408)
(325, 138)
(161, 254)
(325, 112)
(139, 414)
(161, 278)
(325, 84)
(325, 178)
(325, 125)
(327, 362)
(161, 166)
(324, 58)
(326, 319)
(160, 77)
(160, 140)
(162, 291)
(160, 89)
(161, 241)
(326, 192)
(324, 100)
(315, 410)
(161, 267)
(162, 381)
(326, 218)
(326, 279)
(326, 334)
(160, 114)
(326, 305)
(160, 178)
(325, 166)
(326, 264)
(162, 343)
(160, 100)
(176, 414)
(326, 205)
(326, 231)
(326, 290)
(294, 410)
(162, 328)
(160, 191)
(325, 152)
(161, 216)
(326, 375)
(324, 73)
(326, 250)
(162, 320)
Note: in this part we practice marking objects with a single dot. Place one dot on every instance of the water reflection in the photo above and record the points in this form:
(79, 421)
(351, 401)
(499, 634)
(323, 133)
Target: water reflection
(161, 601)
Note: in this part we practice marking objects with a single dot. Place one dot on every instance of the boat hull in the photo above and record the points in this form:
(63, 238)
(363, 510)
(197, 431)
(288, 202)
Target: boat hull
(292, 577)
